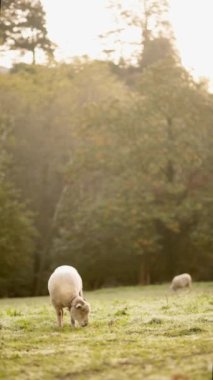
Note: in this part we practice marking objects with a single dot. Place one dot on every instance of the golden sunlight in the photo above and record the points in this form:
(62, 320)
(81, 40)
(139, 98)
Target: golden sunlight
(192, 23)
(75, 26)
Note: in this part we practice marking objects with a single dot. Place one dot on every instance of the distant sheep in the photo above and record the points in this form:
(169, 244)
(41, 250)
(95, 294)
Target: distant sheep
(181, 281)
(66, 290)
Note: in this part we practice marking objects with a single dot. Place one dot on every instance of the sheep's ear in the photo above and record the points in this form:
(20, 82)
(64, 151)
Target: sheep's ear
(78, 306)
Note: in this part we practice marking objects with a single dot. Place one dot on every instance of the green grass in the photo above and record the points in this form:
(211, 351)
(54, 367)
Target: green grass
(134, 333)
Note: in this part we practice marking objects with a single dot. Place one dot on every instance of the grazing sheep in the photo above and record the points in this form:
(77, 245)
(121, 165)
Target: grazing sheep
(181, 281)
(65, 289)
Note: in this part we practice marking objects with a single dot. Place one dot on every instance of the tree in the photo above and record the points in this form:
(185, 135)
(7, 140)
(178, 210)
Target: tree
(16, 227)
(40, 147)
(23, 28)
(148, 23)
(129, 195)
(49, 125)
(16, 243)
(119, 178)
(178, 116)
(91, 191)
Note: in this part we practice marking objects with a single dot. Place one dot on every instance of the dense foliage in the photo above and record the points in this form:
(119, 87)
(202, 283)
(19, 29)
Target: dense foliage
(16, 225)
(119, 179)
(102, 166)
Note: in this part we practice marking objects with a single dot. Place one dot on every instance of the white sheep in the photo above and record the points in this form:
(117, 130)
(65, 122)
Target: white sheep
(181, 281)
(66, 290)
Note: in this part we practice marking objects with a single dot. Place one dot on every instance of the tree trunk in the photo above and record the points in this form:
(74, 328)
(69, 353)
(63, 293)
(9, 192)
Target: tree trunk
(37, 259)
(144, 272)
(34, 58)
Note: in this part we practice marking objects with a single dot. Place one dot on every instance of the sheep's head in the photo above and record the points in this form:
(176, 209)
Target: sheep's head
(173, 287)
(79, 311)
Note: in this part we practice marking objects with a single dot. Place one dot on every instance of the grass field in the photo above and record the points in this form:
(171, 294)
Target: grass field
(134, 333)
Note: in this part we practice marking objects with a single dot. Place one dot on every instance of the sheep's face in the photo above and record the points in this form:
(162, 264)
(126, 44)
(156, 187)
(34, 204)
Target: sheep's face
(80, 311)
(172, 287)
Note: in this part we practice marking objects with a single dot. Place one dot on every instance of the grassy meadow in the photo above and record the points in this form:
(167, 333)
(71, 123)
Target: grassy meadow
(134, 333)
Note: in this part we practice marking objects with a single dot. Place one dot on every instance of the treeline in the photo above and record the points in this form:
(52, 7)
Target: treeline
(104, 166)
(113, 179)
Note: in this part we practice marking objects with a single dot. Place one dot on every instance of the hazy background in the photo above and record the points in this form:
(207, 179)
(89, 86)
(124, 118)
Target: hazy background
(106, 159)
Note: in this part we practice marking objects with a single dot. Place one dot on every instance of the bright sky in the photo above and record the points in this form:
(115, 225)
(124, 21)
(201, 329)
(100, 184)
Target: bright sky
(192, 22)
(75, 25)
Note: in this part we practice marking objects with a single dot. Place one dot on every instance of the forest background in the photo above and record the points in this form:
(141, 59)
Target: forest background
(104, 165)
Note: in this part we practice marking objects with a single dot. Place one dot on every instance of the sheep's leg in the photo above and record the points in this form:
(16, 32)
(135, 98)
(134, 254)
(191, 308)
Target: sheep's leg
(72, 322)
(59, 313)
